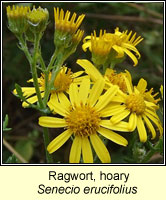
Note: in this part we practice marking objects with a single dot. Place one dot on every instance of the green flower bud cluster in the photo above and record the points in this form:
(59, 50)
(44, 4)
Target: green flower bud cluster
(23, 20)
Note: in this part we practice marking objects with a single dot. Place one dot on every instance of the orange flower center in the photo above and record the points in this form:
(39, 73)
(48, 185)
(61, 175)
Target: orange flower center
(83, 120)
(117, 79)
(135, 102)
(62, 81)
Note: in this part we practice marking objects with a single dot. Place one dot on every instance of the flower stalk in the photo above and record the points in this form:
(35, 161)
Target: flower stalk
(34, 71)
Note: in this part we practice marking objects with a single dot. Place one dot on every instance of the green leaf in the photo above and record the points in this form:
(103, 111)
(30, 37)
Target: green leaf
(12, 159)
(5, 124)
(19, 92)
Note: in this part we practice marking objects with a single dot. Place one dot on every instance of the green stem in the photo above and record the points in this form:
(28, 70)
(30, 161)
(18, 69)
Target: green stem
(46, 74)
(112, 65)
(53, 76)
(33, 61)
(52, 59)
(43, 66)
(24, 48)
(34, 71)
(51, 83)
(46, 142)
(105, 66)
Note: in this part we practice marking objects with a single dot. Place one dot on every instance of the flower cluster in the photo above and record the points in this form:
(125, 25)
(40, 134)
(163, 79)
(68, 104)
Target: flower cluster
(22, 19)
(94, 103)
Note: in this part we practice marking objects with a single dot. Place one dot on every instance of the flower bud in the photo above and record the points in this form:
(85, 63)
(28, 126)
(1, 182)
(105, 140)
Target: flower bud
(17, 18)
(66, 33)
(38, 20)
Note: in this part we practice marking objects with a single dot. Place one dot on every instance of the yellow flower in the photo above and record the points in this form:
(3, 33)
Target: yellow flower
(83, 118)
(66, 28)
(98, 44)
(99, 48)
(119, 42)
(64, 24)
(17, 18)
(111, 77)
(61, 84)
(138, 108)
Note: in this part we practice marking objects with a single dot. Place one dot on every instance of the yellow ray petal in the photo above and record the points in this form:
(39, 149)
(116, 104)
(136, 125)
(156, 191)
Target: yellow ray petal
(52, 122)
(152, 112)
(76, 74)
(150, 126)
(132, 121)
(141, 129)
(121, 126)
(118, 139)
(120, 116)
(86, 151)
(96, 91)
(132, 56)
(31, 100)
(112, 110)
(142, 84)
(59, 141)
(123, 95)
(84, 90)
(100, 148)
(64, 101)
(79, 79)
(86, 38)
(57, 108)
(28, 91)
(131, 47)
(132, 38)
(155, 121)
(106, 98)
(73, 93)
(86, 45)
(129, 87)
(90, 69)
(118, 99)
(128, 75)
(137, 41)
(75, 152)
(119, 50)
(54, 97)
(151, 105)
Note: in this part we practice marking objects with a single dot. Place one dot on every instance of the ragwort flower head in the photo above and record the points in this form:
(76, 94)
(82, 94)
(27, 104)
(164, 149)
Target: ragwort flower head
(99, 48)
(111, 77)
(117, 44)
(17, 18)
(66, 28)
(61, 85)
(140, 110)
(83, 118)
